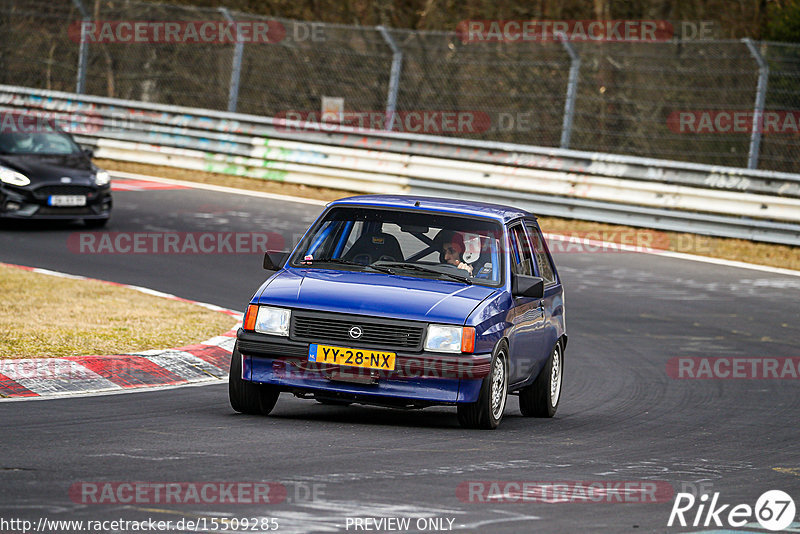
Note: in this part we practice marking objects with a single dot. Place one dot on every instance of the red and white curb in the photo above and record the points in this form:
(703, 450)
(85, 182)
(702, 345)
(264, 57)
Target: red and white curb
(76, 375)
(142, 185)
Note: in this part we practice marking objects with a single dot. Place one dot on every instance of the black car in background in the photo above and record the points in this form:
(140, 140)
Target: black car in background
(45, 174)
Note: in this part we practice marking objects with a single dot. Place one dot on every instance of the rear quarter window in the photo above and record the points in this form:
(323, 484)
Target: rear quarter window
(543, 260)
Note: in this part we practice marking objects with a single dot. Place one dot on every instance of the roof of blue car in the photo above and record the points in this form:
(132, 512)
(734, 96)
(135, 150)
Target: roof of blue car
(449, 205)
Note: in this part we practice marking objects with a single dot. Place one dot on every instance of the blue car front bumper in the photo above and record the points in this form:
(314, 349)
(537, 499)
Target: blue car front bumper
(423, 378)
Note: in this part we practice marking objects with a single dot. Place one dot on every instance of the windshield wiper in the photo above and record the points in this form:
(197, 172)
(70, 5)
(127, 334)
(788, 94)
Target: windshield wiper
(420, 268)
(339, 261)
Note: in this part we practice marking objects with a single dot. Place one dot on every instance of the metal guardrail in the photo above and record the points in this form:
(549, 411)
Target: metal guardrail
(721, 201)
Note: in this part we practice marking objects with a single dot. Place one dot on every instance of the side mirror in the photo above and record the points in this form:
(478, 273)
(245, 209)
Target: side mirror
(274, 260)
(527, 286)
(88, 152)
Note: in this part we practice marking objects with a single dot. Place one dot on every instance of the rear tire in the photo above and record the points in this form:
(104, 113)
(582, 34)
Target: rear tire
(487, 412)
(247, 397)
(541, 398)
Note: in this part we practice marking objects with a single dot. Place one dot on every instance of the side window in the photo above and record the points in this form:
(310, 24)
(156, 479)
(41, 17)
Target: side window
(543, 261)
(522, 258)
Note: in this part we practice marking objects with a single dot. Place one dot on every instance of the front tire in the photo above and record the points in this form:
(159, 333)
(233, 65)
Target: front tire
(487, 412)
(541, 398)
(247, 397)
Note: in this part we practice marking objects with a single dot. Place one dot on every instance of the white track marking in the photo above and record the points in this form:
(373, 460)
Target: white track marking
(288, 198)
(220, 188)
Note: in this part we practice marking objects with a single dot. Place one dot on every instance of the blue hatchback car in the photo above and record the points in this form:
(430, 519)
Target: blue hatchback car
(408, 302)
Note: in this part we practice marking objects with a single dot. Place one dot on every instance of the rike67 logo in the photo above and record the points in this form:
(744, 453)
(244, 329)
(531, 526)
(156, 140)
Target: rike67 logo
(774, 510)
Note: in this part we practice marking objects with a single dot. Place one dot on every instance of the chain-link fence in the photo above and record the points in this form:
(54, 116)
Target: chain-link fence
(682, 100)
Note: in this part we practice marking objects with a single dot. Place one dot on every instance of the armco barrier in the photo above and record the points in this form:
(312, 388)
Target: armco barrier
(730, 202)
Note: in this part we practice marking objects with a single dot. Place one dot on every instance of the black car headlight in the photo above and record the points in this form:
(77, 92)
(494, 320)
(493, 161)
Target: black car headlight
(12, 177)
(102, 178)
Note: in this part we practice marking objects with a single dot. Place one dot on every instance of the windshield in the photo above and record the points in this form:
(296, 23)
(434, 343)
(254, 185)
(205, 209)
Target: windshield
(42, 142)
(419, 244)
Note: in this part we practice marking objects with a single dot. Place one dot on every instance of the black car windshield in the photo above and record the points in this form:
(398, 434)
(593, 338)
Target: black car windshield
(408, 243)
(41, 142)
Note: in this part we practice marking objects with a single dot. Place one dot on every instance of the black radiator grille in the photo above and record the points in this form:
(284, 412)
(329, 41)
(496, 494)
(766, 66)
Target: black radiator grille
(47, 210)
(336, 328)
(47, 190)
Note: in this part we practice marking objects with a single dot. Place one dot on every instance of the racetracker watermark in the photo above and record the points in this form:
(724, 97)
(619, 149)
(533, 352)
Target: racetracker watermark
(84, 122)
(177, 32)
(602, 242)
(529, 31)
(52, 369)
(441, 122)
(177, 493)
(405, 368)
(733, 368)
(174, 242)
(716, 121)
(565, 492)
(625, 241)
(207, 492)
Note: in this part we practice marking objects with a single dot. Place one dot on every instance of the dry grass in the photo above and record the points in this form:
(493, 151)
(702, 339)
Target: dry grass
(786, 257)
(44, 316)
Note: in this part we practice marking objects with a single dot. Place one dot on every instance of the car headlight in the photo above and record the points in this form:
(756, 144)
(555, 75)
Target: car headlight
(12, 177)
(102, 178)
(446, 338)
(267, 320)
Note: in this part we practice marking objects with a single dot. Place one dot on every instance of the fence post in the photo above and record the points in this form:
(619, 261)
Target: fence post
(572, 92)
(236, 66)
(394, 77)
(758, 112)
(83, 51)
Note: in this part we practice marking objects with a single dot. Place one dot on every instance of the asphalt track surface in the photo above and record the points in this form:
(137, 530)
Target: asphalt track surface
(622, 418)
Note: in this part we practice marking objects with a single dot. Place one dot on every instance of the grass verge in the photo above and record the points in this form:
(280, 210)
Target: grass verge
(782, 256)
(48, 316)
